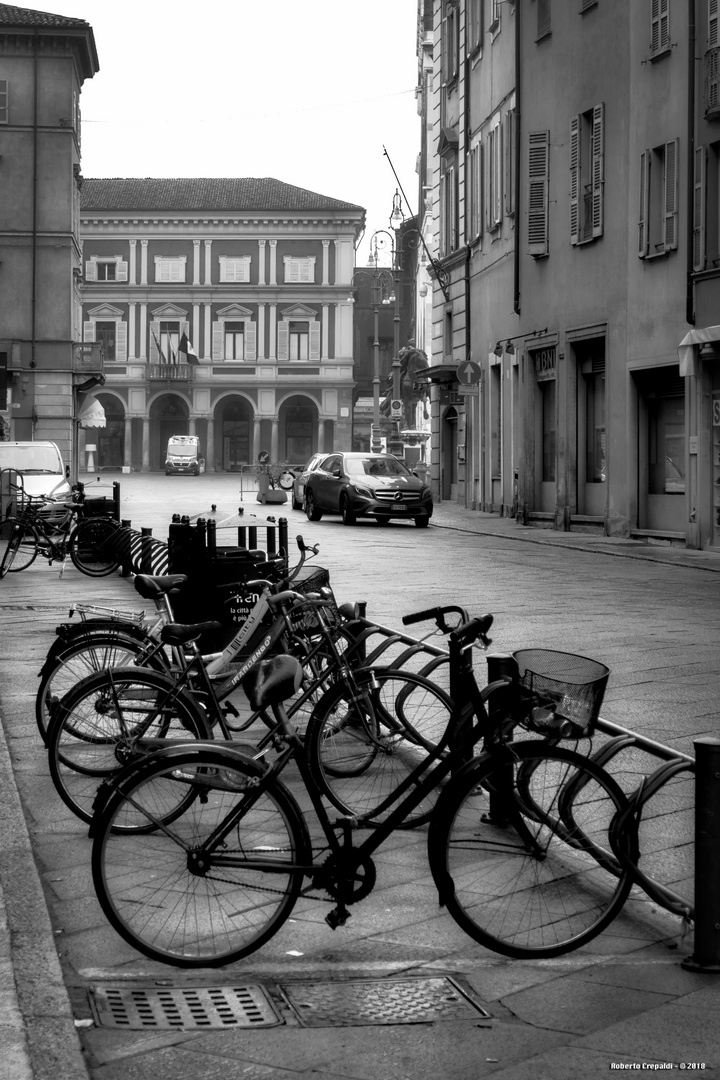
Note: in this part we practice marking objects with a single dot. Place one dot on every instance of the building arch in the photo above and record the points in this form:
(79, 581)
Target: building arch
(169, 414)
(449, 453)
(299, 430)
(234, 432)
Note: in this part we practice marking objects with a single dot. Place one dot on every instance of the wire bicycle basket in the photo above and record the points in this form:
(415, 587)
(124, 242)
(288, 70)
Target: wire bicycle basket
(314, 579)
(561, 693)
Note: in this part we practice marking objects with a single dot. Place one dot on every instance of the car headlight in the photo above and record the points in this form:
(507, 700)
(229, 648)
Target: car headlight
(364, 491)
(426, 493)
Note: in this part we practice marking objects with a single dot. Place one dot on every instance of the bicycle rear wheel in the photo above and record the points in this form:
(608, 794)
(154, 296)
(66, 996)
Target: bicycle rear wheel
(97, 652)
(366, 738)
(91, 547)
(511, 874)
(181, 898)
(21, 546)
(100, 725)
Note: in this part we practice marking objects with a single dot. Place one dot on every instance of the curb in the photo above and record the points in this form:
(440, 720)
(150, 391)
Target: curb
(38, 1040)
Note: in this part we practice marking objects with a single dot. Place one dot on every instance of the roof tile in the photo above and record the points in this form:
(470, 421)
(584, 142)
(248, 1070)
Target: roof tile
(204, 193)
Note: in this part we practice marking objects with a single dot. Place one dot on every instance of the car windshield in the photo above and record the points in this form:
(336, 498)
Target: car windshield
(375, 467)
(30, 459)
(182, 449)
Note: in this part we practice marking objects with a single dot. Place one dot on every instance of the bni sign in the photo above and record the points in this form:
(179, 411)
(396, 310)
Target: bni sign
(544, 364)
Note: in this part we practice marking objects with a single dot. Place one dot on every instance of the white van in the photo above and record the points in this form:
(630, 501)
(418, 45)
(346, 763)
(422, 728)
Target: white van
(183, 455)
(40, 465)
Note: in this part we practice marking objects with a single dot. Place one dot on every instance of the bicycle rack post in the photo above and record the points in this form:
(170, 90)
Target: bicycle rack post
(125, 556)
(146, 551)
(116, 500)
(706, 954)
(283, 537)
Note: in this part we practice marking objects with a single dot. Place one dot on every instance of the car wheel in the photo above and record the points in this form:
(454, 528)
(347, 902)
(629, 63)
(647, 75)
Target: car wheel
(382, 520)
(348, 517)
(311, 511)
(422, 522)
(296, 504)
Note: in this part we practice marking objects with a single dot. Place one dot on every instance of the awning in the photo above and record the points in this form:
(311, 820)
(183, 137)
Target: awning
(92, 414)
(686, 351)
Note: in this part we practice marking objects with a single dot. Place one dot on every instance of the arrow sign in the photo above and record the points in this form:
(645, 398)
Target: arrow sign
(468, 373)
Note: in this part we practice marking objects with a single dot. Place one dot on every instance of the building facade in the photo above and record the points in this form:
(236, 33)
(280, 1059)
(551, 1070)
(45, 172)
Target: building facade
(45, 374)
(576, 204)
(223, 311)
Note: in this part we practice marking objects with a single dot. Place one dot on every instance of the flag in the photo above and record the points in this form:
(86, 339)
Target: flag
(157, 343)
(186, 347)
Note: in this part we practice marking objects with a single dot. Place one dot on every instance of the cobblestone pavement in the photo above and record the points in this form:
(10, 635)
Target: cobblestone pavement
(651, 614)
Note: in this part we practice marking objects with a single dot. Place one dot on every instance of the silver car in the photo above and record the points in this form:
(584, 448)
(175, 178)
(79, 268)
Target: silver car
(298, 491)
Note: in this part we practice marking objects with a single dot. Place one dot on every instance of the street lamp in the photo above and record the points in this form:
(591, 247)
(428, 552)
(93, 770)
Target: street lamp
(382, 291)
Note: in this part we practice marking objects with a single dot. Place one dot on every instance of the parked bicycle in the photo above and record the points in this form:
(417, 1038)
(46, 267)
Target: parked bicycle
(201, 853)
(55, 531)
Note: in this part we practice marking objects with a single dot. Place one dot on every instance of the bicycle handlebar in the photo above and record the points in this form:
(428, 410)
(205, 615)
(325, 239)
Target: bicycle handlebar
(473, 629)
(438, 614)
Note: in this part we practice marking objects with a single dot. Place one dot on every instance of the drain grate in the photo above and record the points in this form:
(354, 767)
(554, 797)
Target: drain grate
(137, 1008)
(380, 1001)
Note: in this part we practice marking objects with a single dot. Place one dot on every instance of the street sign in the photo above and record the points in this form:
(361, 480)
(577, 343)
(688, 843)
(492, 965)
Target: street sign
(396, 408)
(469, 391)
(468, 373)
(263, 457)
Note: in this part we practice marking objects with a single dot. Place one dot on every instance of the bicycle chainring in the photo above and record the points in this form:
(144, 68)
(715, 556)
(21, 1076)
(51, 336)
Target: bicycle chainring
(347, 878)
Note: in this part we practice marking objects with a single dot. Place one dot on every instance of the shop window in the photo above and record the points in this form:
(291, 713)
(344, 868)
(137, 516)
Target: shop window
(549, 426)
(666, 445)
(595, 435)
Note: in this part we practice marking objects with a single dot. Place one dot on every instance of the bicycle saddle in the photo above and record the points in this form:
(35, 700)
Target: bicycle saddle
(272, 681)
(149, 587)
(181, 633)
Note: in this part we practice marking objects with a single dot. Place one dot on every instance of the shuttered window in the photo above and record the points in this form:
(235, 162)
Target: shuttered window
(106, 269)
(169, 269)
(234, 339)
(474, 194)
(234, 269)
(494, 180)
(587, 175)
(660, 26)
(544, 20)
(713, 24)
(298, 339)
(3, 101)
(699, 170)
(299, 270)
(538, 178)
(111, 334)
(658, 201)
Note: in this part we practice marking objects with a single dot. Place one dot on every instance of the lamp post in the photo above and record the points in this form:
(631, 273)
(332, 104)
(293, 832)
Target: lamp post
(380, 281)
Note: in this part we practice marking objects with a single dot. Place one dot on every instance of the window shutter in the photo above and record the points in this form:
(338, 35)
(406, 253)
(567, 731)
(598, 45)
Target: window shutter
(250, 340)
(121, 338)
(89, 331)
(155, 342)
(699, 210)
(643, 230)
(122, 270)
(575, 128)
(538, 162)
(509, 183)
(660, 25)
(314, 328)
(442, 216)
(598, 169)
(3, 101)
(91, 271)
(713, 24)
(283, 331)
(670, 196)
(218, 343)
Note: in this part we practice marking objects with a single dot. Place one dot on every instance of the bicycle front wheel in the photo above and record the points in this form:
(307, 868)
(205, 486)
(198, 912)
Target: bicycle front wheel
(366, 738)
(91, 546)
(21, 546)
(98, 652)
(101, 725)
(511, 872)
(213, 885)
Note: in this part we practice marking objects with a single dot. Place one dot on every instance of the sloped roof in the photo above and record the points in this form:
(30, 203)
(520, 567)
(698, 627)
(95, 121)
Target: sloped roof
(10, 15)
(198, 193)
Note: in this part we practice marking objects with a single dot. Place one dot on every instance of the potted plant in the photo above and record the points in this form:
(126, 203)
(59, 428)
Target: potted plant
(269, 483)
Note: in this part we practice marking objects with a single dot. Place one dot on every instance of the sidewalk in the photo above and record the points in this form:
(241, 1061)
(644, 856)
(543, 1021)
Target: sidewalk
(624, 1000)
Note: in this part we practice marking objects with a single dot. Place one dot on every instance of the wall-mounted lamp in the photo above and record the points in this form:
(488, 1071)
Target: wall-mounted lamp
(509, 347)
(498, 350)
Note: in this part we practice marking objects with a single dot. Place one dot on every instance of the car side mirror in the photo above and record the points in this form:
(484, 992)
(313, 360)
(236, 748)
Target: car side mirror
(337, 473)
(67, 472)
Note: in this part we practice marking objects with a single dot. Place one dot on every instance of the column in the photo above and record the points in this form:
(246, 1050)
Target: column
(272, 342)
(146, 444)
(195, 328)
(208, 262)
(127, 443)
(143, 331)
(273, 262)
(196, 262)
(275, 429)
(191, 425)
(260, 354)
(256, 438)
(207, 338)
(335, 245)
(325, 354)
(321, 436)
(326, 262)
(261, 262)
(143, 262)
(210, 448)
(131, 353)
(132, 271)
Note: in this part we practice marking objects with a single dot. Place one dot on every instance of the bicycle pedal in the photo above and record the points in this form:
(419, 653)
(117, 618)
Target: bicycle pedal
(337, 918)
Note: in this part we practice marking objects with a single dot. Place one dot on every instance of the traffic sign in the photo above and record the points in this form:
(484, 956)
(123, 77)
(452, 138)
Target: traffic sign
(263, 457)
(468, 373)
(396, 408)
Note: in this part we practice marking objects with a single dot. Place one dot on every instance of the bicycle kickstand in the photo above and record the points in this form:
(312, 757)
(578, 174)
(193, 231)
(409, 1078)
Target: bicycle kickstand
(62, 565)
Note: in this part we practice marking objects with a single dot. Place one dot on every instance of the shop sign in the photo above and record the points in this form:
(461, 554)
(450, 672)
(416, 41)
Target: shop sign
(716, 412)
(544, 364)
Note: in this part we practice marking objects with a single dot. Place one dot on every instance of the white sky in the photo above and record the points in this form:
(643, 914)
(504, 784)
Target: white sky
(306, 91)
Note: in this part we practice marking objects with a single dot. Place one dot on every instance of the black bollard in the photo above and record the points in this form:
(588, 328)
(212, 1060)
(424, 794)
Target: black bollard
(706, 950)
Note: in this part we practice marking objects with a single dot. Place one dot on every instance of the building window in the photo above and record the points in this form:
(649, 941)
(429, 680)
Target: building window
(450, 42)
(168, 341)
(544, 26)
(169, 269)
(299, 270)
(298, 340)
(495, 9)
(659, 27)
(595, 443)
(587, 178)
(234, 270)
(105, 335)
(658, 224)
(510, 162)
(705, 214)
(474, 25)
(3, 101)
(549, 425)
(474, 191)
(106, 269)
(448, 206)
(234, 341)
(494, 178)
(538, 170)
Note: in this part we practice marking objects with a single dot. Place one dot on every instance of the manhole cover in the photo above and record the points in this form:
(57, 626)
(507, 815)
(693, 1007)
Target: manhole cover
(137, 1008)
(381, 1001)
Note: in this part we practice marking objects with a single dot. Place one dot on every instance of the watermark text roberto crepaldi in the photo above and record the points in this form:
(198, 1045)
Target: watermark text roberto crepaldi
(655, 1066)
